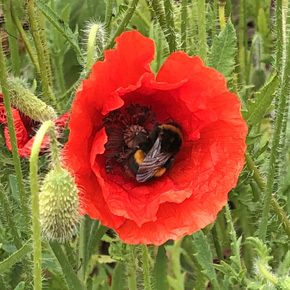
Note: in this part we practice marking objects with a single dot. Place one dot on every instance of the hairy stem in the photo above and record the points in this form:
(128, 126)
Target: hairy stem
(146, 267)
(13, 140)
(37, 258)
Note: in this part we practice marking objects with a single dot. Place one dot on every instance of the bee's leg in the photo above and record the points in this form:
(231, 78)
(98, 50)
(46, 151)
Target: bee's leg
(169, 163)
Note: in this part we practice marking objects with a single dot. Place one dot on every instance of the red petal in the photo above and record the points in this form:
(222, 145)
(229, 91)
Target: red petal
(24, 127)
(189, 196)
(20, 130)
(95, 97)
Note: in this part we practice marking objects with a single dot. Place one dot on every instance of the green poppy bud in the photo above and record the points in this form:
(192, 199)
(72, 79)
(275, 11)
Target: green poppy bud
(27, 103)
(58, 205)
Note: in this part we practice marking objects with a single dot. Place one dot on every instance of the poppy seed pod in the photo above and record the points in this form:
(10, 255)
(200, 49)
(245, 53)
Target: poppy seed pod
(58, 205)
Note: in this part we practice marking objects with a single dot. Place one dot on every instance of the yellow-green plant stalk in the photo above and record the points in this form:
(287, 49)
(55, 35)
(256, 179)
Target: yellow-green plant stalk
(222, 4)
(56, 207)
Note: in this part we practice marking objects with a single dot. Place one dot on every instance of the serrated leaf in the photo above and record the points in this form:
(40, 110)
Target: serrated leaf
(226, 269)
(263, 99)
(62, 27)
(223, 50)
(262, 250)
(15, 257)
(236, 259)
(203, 256)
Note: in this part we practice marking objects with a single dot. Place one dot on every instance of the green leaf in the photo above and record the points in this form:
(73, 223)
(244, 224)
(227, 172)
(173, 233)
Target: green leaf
(20, 286)
(285, 265)
(204, 257)
(226, 269)
(62, 27)
(71, 278)
(263, 99)
(118, 279)
(262, 250)
(15, 257)
(160, 269)
(223, 51)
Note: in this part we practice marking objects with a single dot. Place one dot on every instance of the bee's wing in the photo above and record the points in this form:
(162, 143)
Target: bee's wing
(153, 161)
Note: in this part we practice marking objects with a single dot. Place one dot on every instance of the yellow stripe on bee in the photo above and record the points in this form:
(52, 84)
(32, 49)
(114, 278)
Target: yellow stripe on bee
(139, 156)
(172, 128)
(160, 172)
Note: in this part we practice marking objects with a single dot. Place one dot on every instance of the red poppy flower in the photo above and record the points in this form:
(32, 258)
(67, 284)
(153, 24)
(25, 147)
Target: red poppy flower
(25, 129)
(121, 102)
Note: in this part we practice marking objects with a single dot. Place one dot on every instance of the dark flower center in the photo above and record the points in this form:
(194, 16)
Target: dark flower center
(126, 128)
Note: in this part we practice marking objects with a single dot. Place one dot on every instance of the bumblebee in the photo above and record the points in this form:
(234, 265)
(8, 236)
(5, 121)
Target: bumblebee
(155, 156)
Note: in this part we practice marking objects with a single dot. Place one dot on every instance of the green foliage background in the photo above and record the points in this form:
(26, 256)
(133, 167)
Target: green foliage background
(248, 245)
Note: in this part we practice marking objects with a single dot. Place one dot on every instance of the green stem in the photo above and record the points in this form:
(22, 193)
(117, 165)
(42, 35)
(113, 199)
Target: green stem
(267, 274)
(127, 17)
(13, 39)
(108, 16)
(58, 73)
(10, 219)
(202, 31)
(285, 10)
(234, 244)
(146, 267)
(42, 36)
(13, 140)
(222, 15)
(214, 22)
(70, 276)
(254, 170)
(37, 259)
(278, 134)
(55, 154)
(183, 24)
(169, 26)
(35, 30)
(241, 41)
(131, 269)
(82, 249)
(279, 34)
(217, 245)
(24, 37)
(282, 216)
(283, 147)
(176, 266)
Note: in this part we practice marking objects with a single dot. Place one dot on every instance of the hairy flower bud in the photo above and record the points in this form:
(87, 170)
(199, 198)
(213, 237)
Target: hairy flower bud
(59, 205)
(27, 103)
